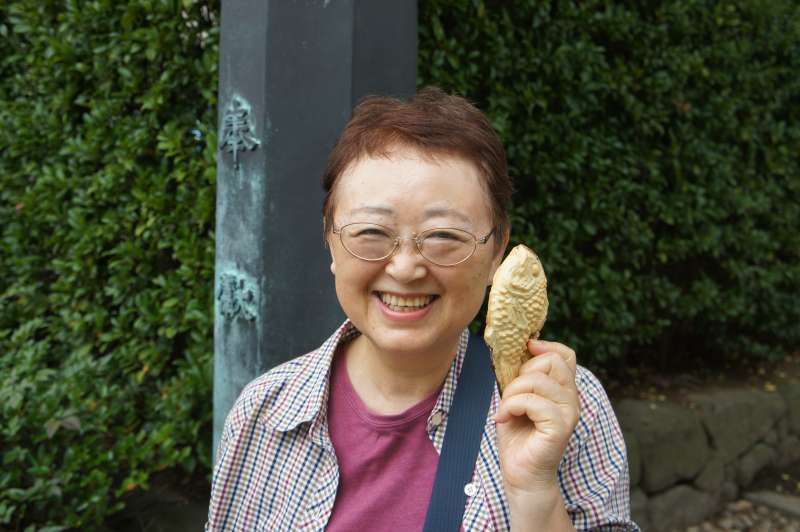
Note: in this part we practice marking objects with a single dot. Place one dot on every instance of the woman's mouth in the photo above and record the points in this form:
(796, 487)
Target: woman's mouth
(399, 303)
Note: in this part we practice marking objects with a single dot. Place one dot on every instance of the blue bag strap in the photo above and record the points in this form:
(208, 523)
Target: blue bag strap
(462, 439)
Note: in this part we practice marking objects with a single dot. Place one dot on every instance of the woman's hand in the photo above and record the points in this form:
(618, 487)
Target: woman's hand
(535, 419)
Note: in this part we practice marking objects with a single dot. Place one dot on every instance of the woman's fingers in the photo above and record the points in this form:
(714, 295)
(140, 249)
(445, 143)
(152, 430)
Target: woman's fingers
(538, 383)
(544, 413)
(550, 377)
(564, 398)
(552, 364)
(539, 347)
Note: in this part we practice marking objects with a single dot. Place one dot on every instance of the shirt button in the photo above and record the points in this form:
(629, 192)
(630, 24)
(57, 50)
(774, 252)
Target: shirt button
(470, 489)
(436, 419)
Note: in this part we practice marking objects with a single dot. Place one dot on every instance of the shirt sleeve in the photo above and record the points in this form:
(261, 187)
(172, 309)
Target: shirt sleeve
(223, 473)
(593, 475)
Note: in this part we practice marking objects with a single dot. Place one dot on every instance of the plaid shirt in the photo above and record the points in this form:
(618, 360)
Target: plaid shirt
(276, 467)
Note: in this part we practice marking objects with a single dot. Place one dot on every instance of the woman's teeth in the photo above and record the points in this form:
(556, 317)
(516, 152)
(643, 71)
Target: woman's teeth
(400, 304)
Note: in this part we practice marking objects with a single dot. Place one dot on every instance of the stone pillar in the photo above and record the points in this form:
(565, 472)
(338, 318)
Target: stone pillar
(290, 73)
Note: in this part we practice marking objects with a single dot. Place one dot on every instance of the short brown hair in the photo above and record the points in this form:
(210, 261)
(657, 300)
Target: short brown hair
(434, 123)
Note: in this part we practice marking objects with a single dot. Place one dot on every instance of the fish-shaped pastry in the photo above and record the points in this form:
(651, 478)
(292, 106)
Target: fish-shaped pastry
(516, 312)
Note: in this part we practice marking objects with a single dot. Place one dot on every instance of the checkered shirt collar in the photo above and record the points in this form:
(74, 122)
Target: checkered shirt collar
(312, 381)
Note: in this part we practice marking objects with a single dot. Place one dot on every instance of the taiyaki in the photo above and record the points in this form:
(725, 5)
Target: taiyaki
(516, 312)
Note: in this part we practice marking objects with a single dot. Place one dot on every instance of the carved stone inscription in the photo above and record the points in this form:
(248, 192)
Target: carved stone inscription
(238, 130)
(237, 296)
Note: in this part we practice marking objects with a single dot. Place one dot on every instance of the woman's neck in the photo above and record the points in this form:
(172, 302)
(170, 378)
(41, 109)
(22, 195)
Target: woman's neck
(390, 383)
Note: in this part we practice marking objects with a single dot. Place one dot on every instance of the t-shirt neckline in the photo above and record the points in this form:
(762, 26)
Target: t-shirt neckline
(339, 377)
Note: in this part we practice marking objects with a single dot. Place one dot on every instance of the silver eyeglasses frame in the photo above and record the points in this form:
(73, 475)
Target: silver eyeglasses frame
(417, 238)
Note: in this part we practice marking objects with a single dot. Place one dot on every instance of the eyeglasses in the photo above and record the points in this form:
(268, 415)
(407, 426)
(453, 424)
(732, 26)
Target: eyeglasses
(443, 246)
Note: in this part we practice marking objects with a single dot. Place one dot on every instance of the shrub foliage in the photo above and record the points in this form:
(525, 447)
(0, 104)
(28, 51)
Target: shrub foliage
(654, 147)
(655, 151)
(107, 141)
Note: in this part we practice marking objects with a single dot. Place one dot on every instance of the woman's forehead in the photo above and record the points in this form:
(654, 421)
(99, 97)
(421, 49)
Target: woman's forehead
(446, 186)
(410, 165)
(439, 209)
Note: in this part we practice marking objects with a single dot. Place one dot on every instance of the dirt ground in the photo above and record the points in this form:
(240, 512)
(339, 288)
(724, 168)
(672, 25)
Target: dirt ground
(652, 385)
(785, 480)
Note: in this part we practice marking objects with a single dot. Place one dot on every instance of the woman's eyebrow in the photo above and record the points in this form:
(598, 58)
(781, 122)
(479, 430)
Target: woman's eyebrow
(371, 209)
(435, 212)
(432, 212)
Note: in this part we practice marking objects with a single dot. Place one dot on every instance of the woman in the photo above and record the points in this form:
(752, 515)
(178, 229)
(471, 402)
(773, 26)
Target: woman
(348, 436)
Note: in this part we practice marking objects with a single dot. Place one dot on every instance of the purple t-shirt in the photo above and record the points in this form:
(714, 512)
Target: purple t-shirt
(387, 464)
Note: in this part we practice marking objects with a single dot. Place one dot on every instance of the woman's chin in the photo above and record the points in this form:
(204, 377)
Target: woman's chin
(409, 341)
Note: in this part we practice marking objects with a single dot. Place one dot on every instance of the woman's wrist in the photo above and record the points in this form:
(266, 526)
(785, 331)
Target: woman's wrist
(541, 510)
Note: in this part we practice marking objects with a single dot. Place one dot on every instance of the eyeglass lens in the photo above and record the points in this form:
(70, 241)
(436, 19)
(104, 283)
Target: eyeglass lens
(443, 246)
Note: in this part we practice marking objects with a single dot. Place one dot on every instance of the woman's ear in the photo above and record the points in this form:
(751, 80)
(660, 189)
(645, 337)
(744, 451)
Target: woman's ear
(500, 252)
(326, 236)
(333, 258)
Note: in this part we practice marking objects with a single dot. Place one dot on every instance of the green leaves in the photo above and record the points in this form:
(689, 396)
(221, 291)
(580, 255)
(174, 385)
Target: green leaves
(651, 151)
(106, 252)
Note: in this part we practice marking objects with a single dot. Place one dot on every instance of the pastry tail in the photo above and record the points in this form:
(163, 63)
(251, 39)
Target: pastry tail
(504, 375)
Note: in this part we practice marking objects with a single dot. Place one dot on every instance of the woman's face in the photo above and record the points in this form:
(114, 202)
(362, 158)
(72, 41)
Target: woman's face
(410, 194)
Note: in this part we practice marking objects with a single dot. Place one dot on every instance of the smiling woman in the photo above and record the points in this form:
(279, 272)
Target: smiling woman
(348, 436)
(411, 195)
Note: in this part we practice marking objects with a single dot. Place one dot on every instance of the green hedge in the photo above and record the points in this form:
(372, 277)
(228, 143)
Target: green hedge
(107, 149)
(656, 151)
(655, 147)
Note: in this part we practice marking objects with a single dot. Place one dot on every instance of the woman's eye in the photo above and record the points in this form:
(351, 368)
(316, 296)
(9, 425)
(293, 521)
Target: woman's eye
(445, 235)
(372, 232)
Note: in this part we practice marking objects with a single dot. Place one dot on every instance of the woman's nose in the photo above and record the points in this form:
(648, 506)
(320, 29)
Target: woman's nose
(406, 264)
